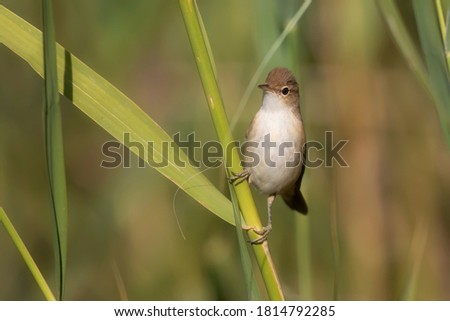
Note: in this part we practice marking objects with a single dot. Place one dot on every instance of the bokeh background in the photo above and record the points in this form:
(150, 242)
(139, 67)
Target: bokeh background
(377, 228)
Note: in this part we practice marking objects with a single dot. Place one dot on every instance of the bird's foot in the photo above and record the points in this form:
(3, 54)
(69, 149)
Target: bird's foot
(239, 177)
(263, 233)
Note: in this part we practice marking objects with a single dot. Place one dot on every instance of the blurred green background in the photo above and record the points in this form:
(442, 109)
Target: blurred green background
(390, 207)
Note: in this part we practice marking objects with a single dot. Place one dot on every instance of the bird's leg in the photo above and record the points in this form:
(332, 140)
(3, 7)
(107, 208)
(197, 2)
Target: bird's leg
(239, 177)
(264, 232)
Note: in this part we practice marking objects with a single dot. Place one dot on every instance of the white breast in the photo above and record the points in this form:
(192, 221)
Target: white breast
(274, 147)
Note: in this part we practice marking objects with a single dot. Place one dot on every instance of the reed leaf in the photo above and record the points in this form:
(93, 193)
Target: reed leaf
(112, 111)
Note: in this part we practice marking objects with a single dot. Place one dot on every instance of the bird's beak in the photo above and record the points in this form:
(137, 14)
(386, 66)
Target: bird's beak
(264, 86)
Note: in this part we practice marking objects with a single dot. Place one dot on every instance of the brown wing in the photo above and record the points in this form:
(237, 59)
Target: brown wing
(295, 200)
(302, 171)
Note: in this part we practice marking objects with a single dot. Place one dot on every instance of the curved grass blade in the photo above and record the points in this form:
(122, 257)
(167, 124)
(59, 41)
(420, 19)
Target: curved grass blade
(54, 144)
(398, 29)
(444, 26)
(415, 258)
(436, 79)
(441, 19)
(447, 38)
(434, 51)
(277, 43)
(113, 111)
(26, 256)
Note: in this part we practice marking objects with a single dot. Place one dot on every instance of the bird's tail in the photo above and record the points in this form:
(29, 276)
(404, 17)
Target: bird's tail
(296, 201)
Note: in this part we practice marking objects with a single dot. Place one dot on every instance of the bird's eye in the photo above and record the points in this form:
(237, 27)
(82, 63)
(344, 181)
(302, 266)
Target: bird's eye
(285, 91)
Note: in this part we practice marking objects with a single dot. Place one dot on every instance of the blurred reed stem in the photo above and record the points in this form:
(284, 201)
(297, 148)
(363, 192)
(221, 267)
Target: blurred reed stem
(415, 258)
(334, 226)
(435, 77)
(198, 40)
(304, 257)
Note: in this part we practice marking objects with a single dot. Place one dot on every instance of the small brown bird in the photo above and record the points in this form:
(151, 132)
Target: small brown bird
(274, 151)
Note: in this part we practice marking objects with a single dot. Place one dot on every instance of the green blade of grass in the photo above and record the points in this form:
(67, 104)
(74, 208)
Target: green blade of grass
(444, 25)
(447, 38)
(54, 143)
(441, 20)
(28, 259)
(401, 36)
(112, 110)
(414, 260)
(434, 51)
(198, 40)
(275, 46)
(436, 80)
